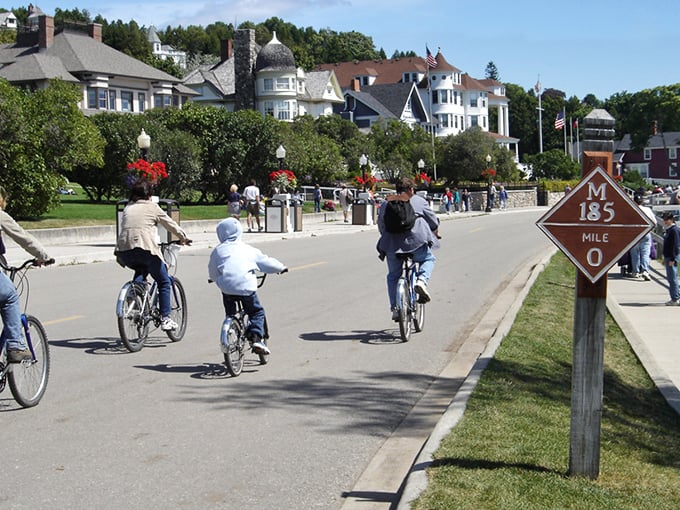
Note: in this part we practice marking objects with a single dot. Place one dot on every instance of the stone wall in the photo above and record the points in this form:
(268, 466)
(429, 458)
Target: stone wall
(516, 198)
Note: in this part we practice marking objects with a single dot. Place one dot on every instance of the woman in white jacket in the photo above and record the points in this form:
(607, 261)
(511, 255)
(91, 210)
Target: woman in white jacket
(232, 267)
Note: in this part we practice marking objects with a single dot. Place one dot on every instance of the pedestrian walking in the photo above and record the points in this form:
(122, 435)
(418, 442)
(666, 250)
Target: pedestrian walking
(671, 255)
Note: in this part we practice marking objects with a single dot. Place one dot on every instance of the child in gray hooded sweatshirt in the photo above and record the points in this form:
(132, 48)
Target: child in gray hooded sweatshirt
(232, 267)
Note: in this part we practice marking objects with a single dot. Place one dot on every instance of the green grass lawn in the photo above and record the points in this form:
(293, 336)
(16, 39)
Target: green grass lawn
(76, 210)
(511, 448)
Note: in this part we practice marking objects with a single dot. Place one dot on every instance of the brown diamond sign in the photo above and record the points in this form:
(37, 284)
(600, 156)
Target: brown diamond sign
(595, 224)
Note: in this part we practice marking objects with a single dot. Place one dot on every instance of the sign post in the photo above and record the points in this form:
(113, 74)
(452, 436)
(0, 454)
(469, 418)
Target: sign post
(594, 225)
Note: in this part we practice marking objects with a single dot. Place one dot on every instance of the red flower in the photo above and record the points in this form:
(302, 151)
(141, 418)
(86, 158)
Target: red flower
(142, 169)
(489, 173)
(422, 178)
(369, 182)
(284, 179)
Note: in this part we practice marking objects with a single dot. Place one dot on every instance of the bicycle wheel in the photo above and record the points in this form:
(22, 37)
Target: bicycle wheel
(28, 379)
(404, 310)
(178, 310)
(132, 323)
(233, 358)
(418, 315)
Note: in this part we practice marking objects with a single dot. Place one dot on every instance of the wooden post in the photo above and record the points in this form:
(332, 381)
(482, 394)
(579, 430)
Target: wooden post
(589, 326)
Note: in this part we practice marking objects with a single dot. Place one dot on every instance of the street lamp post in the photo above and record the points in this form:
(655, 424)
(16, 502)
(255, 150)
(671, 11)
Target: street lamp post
(363, 161)
(488, 186)
(144, 142)
(280, 155)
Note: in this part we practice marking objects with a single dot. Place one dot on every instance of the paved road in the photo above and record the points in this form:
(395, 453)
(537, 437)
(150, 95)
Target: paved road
(168, 428)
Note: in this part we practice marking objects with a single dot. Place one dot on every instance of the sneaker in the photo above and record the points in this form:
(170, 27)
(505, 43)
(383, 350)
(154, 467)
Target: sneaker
(168, 324)
(421, 290)
(250, 230)
(259, 347)
(259, 229)
(395, 314)
(635, 276)
(673, 302)
(646, 276)
(18, 355)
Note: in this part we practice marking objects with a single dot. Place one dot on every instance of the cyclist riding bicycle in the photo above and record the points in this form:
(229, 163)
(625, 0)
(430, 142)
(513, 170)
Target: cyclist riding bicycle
(419, 241)
(137, 247)
(10, 308)
(232, 267)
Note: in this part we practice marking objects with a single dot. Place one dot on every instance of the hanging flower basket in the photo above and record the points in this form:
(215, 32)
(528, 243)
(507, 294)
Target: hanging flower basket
(422, 179)
(143, 170)
(283, 180)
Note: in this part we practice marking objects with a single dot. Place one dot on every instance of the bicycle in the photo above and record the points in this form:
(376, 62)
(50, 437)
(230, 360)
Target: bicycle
(138, 309)
(233, 340)
(411, 312)
(28, 379)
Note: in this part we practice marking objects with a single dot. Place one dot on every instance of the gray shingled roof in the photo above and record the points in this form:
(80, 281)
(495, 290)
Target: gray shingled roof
(82, 54)
(36, 67)
(393, 96)
(275, 56)
(372, 103)
(657, 141)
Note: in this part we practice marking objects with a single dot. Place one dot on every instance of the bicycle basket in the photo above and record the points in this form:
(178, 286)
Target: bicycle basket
(170, 254)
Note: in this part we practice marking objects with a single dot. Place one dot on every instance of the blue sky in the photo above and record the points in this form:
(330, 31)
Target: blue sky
(580, 47)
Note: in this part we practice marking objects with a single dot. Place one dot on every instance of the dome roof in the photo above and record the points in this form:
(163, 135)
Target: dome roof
(275, 57)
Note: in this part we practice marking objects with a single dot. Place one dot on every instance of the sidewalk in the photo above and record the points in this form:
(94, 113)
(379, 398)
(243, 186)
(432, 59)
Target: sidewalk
(652, 329)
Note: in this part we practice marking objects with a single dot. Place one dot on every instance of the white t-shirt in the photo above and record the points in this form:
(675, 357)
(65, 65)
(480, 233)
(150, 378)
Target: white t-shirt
(251, 192)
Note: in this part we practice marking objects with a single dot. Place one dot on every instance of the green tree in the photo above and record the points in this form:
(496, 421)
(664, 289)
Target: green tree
(67, 139)
(491, 72)
(553, 164)
(24, 174)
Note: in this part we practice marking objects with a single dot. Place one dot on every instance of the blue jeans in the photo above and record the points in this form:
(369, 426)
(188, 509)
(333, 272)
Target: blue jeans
(10, 310)
(422, 255)
(672, 277)
(252, 307)
(645, 250)
(317, 205)
(144, 263)
(636, 258)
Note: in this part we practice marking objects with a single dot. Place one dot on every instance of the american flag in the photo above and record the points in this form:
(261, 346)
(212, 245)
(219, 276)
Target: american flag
(431, 61)
(559, 120)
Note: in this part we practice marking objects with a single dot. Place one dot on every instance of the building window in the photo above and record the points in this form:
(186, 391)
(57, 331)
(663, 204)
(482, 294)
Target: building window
(162, 101)
(103, 103)
(473, 102)
(112, 99)
(268, 84)
(141, 100)
(126, 101)
(673, 170)
(269, 108)
(92, 98)
(283, 110)
(444, 96)
(673, 152)
(435, 97)
(647, 154)
(474, 120)
(283, 84)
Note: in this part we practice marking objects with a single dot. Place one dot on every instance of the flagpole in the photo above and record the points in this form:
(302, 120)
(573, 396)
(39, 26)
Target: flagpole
(571, 138)
(429, 100)
(564, 116)
(578, 150)
(537, 87)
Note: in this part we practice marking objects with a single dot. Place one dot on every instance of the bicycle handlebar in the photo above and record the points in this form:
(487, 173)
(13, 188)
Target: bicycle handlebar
(25, 264)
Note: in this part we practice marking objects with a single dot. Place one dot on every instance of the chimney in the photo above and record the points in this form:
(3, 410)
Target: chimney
(45, 32)
(226, 50)
(94, 30)
(355, 85)
(654, 127)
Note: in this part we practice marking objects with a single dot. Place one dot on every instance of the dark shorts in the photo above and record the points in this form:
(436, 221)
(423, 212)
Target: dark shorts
(252, 207)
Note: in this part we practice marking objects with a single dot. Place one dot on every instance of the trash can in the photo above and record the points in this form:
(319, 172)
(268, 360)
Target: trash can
(363, 210)
(296, 205)
(171, 208)
(276, 215)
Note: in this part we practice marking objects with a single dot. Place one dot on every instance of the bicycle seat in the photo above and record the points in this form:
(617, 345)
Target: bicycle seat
(404, 256)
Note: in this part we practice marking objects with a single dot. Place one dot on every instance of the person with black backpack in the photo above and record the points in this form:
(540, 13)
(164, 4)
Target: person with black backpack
(407, 224)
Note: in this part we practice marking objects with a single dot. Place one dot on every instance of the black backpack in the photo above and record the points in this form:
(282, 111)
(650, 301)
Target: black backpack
(399, 216)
